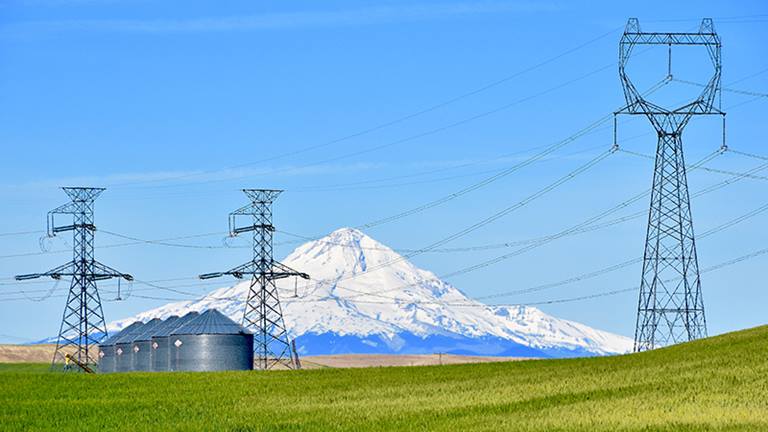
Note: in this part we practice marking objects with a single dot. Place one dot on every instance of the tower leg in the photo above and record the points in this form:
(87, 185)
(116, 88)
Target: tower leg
(82, 325)
(264, 314)
(670, 307)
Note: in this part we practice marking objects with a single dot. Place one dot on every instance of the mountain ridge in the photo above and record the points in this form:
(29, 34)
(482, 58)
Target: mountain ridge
(366, 298)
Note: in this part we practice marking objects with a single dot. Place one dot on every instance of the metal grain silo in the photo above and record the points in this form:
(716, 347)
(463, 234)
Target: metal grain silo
(161, 353)
(107, 349)
(211, 342)
(140, 347)
(123, 353)
(162, 328)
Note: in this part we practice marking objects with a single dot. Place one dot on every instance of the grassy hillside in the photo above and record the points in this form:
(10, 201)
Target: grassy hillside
(716, 384)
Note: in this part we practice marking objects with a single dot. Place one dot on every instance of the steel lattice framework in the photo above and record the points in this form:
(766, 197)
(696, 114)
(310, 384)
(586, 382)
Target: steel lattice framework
(671, 307)
(263, 313)
(82, 325)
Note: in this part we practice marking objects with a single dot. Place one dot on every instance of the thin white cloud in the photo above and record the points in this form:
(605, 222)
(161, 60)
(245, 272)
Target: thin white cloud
(150, 179)
(172, 179)
(290, 20)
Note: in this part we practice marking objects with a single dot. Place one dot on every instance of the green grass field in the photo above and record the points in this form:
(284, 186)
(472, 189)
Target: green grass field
(719, 383)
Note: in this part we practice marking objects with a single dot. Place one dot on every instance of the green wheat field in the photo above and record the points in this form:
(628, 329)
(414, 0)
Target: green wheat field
(720, 383)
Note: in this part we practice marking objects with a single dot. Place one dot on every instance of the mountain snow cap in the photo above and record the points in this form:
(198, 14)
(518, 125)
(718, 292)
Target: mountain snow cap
(362, 289)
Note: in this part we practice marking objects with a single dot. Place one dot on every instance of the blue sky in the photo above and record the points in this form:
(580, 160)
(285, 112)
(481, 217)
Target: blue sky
(362, 110)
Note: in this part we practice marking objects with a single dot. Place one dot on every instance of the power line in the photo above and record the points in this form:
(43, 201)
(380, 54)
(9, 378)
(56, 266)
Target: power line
(8, 234)
(502, 174)
(487, 263)
(561, 234)
(604, 293)
(420, 208)
(574, 230)
(749, 155)
(157, 242)
(417, 135)
(552, 148)
(562, 300)
(623, 264)
(715, 267)
(163, 242)
(47, 295)
(166, 243)
(718, 19)
(730, 90)
(526, 290)
(750, 76)
(499, 214)
(712, 170)
(136, 241)
(544, 239)
(403, 118)
(635, 288)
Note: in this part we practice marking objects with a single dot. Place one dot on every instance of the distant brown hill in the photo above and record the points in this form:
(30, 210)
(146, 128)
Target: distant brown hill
(43, 353)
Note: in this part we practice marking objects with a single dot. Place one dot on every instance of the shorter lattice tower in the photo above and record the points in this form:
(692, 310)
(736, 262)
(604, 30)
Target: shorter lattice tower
(83, 325)
(263, 313)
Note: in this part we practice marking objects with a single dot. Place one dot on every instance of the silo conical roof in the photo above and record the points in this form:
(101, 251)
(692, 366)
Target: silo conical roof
(113, 339)
(210, 322)
(148, 330)
(168, 322)
(169, 326)
(127, 335)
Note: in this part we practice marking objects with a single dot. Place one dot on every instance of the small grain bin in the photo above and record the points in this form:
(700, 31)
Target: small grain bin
(123, 353)
(140, 347)
(211, 342)
(107, 349)
(161, 353)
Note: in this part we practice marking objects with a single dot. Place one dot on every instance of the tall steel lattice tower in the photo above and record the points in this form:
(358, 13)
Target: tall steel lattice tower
(82, 325)
(263, 313)
(671, 307)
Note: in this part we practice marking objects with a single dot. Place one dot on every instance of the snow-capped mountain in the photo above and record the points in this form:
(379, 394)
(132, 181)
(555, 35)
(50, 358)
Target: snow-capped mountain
(366, 298)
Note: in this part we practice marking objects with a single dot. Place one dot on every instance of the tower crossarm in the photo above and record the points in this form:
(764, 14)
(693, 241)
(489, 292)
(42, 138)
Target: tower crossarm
(102, 272)
(248, 268)
(640, 106)
(701, 106)
(253, 268)
(284, 271)
(704, 104)
(56, 273)
(68, 208)
(259, 220)
(672, 38)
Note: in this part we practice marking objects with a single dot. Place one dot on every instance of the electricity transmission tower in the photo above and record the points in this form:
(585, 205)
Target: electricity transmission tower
(671, 307)
(82, 325)
(263, 312)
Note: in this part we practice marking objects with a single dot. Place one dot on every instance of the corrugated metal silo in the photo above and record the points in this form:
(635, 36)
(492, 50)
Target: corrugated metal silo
(158, 357)
(107, 349)
(163, 328)
(211, 342)
(123, 353)
(140, 347)
(161, 353)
